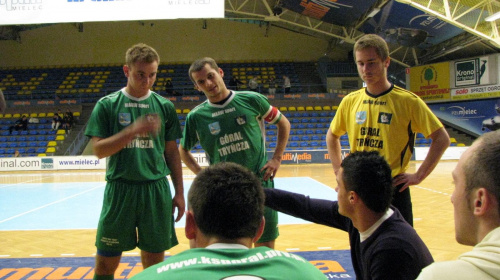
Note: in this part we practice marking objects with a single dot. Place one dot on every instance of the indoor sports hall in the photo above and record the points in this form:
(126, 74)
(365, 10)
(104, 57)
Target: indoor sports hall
(59, 57)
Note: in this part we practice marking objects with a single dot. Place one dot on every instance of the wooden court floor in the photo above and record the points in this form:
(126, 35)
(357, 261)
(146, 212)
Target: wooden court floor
(433, 213)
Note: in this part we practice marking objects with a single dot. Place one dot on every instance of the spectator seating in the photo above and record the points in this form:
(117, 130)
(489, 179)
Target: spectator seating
(38, 140)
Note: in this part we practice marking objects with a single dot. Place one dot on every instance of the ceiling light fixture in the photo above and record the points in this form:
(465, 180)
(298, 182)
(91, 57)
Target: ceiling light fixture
(493, 17)
(373, 12)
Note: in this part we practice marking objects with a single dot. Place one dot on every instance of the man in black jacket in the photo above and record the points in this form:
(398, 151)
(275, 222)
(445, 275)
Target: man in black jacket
(383, 244)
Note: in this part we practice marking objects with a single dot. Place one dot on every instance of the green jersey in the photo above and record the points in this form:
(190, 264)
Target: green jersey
(230, 261)
(142, 159)
(233, 131)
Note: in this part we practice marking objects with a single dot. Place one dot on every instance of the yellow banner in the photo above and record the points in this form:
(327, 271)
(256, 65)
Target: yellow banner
(431, 82)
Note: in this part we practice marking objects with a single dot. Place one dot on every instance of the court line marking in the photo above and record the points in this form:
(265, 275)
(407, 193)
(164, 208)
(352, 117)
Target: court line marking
(431, 190)
(50, 204)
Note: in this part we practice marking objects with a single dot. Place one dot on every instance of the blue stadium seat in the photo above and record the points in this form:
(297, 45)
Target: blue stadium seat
(305, 138)
(303, 144)
(30, 151)
(300, 132)
(41, 150)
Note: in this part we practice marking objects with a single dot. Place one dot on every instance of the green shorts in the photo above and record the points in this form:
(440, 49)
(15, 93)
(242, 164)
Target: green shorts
(271, 231)
(136, 215)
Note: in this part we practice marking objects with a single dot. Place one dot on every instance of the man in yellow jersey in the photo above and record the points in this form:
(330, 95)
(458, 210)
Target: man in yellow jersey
(385, 118)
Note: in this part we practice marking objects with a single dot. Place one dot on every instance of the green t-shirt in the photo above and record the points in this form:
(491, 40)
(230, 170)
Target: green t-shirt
(142, 159)
(232, 263)
(233, 131)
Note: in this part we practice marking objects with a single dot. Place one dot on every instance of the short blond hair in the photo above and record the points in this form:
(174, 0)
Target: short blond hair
(141, 53)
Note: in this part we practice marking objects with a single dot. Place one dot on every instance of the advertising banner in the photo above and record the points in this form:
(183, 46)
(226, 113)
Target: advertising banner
(51, 163)
(431, 82)
(55, 11)
(476, 117)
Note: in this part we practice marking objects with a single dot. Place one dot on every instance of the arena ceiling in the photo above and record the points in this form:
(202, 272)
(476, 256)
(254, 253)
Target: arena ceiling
(418, 31)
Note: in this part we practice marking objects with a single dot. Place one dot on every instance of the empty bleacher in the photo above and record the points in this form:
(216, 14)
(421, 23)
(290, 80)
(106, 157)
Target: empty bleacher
(88, 83)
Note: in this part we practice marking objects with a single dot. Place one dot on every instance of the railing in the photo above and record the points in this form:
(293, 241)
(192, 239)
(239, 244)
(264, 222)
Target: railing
(75, 146)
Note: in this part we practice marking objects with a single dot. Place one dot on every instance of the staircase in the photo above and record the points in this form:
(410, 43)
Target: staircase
(75, 140)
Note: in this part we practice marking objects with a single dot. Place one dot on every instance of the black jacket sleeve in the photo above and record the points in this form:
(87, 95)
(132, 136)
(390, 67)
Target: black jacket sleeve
(318, 211)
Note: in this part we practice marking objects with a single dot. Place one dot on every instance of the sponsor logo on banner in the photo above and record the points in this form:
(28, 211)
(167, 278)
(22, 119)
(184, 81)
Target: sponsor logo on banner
(47, 163)
(45, 102)
(20, 5)
(297, 157)
(467, 72)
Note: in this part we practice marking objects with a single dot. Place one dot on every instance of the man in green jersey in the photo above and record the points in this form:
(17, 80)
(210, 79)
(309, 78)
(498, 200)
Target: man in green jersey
(229, 126)
(224, 218)
(385, 118)
(137, 129)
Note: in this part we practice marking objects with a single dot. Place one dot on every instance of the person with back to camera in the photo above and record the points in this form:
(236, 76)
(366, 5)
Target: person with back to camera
(136, 129)
(383, 245)
(476, 204)
(229, 126)
(223, 220)
(385, 118)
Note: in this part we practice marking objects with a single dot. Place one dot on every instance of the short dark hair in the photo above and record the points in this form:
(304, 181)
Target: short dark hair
(482, 168)
(141, 53)
(369, 175)
(198, 64)
(227, 201)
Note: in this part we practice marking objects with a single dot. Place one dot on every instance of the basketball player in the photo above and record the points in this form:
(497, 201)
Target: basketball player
(137, 129)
